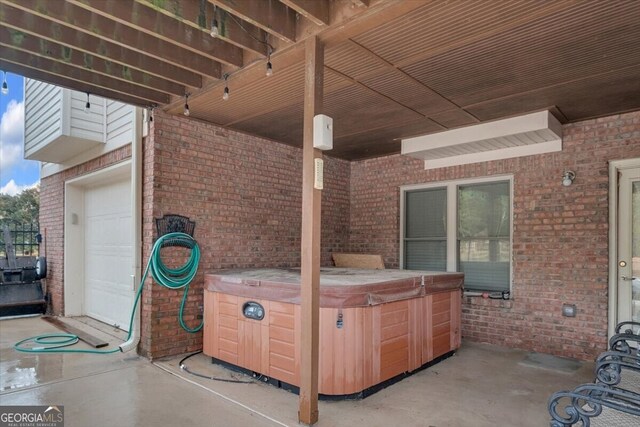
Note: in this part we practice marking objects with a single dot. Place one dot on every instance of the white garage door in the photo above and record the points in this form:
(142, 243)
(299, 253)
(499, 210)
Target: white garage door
(108, 292)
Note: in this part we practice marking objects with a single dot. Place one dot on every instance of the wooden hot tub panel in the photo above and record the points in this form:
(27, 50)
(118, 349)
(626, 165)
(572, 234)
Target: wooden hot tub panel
(374, 344)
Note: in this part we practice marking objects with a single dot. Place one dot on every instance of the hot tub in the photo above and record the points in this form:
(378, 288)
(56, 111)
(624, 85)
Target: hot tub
(375, 325)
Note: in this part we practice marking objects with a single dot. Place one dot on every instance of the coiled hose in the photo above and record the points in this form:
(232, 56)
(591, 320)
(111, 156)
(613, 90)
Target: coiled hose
(172, 278)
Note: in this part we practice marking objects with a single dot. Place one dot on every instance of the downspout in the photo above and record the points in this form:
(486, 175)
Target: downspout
(136, 228)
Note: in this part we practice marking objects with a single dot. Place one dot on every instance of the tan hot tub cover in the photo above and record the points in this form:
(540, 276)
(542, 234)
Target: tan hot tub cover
(339, 287)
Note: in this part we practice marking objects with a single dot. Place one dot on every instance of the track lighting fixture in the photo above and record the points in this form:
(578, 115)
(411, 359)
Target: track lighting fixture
(225, 94)
(5, 86)
(186, 105)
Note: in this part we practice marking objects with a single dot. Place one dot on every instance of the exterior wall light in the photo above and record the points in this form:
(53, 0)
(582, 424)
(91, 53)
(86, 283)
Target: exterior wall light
(568, 177)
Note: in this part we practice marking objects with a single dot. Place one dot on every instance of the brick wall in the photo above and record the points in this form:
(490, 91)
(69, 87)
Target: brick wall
(560, 236)
(245, 195)
(52, 219)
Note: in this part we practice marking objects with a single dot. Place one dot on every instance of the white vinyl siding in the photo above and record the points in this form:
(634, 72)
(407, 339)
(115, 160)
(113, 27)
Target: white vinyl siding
(60, 130)
(119, 122)
(86, 123)
(42, 112)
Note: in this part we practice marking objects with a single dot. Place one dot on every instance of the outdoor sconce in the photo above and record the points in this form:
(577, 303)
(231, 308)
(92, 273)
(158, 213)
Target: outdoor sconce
(568, 177)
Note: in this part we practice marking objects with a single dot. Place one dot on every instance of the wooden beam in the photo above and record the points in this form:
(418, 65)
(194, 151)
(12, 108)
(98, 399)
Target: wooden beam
(57, 52)
(34, 24)
(271, 15)
(310, 261)
(82, 22)
(78, 74)
(44, 76)
(160, 26)
(316, 11)
(360, 3)
(198, 14)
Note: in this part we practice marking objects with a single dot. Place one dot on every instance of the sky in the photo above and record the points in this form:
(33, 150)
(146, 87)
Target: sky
(16, 174)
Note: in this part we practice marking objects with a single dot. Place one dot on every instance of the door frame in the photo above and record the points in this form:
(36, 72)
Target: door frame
(74, 232)
(615, 166)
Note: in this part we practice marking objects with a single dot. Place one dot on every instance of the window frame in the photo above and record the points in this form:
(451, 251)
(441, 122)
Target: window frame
(452, 216)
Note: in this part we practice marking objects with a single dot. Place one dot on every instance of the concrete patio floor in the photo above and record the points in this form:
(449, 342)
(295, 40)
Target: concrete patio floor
(481, 385)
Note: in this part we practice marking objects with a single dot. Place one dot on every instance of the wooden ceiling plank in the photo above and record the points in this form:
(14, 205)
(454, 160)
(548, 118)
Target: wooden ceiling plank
(367, 88)
(82, 21)
(532, 92)
(162, 27)
(407, 76)
(549, 8)
(43, 28)
(336, 34)
(86, 61)
(72, 81)
(272, 16)
(199, 15)
(381, 13)
(316, 11)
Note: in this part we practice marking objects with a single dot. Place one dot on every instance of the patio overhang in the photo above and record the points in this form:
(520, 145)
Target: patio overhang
(393, 69)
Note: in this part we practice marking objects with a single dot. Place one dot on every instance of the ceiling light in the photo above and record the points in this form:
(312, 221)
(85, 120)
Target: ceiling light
(269, 65)
(186, 105)
(5, 86)
(215, 31)
(225, 94)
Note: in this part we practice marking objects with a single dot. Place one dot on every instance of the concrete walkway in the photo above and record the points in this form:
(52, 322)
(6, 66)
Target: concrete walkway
(481, 385)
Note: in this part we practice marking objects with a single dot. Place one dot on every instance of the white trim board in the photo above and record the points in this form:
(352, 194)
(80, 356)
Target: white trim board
(614, 167)
(526, 135)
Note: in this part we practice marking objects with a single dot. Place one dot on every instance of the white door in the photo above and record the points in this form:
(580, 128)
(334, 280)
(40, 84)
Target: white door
(629, 245)
(108, 294)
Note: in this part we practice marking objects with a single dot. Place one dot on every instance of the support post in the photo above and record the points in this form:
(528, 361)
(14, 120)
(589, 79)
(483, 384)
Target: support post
(310, 262)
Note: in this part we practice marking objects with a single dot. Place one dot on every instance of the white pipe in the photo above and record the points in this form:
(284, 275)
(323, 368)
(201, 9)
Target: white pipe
(136, 228)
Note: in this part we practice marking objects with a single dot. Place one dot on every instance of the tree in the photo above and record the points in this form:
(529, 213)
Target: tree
(22, 208)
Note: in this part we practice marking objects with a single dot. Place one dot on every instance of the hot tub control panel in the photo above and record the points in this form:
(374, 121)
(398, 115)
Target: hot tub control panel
(253, 310)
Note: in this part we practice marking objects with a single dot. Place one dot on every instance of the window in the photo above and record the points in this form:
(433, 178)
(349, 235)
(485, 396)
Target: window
(460, 226)
(425, 241)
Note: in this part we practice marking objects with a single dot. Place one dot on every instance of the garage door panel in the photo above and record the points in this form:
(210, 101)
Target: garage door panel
(108, 253)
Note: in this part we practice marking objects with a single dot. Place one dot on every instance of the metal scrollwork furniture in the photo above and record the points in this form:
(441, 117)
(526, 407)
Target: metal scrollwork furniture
(613, 399)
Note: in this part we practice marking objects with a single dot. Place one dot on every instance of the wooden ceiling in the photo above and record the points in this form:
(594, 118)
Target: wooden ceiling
(393, 68)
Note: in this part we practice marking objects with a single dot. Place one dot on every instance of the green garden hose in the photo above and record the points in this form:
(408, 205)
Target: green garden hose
(172, 278)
